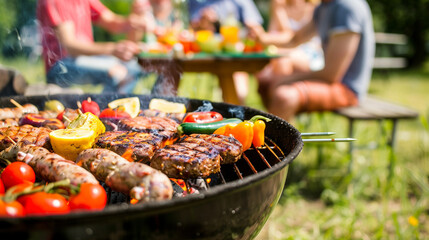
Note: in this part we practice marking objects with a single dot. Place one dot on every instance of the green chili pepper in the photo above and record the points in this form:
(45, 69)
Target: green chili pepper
(204, 128)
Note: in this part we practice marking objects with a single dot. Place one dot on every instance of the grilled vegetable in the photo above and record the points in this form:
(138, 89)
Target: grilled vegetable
(203, 117)
(259, 130)
(247, 132)
(117, 113)
(205, 128)
(54, 105)
(90, 106)
(38, 120)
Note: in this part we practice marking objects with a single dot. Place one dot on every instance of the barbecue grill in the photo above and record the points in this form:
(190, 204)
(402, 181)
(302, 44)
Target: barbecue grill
(233, 204)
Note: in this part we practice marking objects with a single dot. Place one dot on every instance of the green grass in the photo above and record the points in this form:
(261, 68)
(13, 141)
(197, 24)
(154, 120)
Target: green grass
(321, 199)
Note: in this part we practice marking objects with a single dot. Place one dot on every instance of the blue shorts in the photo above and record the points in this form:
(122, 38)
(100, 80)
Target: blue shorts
(94, 70)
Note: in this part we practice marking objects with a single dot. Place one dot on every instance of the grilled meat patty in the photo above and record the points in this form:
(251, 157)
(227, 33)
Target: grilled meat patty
(187, 160)
(230, 149)
(137, 180)
(48, 166)
(178, 117)
(25, 134)
(133, 146)
(161, 126)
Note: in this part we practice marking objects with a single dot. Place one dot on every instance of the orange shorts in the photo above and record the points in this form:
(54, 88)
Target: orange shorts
(316, 96)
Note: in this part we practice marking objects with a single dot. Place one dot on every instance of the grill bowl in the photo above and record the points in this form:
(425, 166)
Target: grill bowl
(235, 210)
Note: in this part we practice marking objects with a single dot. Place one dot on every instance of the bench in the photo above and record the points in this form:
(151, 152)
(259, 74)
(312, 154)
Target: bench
(390, 51)
(373, 108)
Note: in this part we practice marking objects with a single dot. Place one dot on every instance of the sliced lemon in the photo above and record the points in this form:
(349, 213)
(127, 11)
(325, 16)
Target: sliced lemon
(131, 105)
(68, 143)
(166, 106)
(88, 121)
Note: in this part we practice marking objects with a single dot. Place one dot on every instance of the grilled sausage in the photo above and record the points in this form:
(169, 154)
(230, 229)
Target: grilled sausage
(48, 166)
(17, 112)
(137, 180)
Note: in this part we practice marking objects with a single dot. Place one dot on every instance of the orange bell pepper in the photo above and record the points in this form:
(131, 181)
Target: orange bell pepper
(259, 130)
(225, 130)
(243, 132)
(247, 132)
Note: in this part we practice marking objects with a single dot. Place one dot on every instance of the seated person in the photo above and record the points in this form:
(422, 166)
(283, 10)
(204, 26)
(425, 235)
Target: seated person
(73, 57)
(346, 30)
(287, 17)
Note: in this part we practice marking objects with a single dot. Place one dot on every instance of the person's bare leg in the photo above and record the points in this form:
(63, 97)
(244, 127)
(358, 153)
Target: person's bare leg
(284, 102)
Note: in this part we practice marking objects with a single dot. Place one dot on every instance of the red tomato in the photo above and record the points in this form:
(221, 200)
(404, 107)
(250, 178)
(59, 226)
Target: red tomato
(90, 106)
(1, 187)
(11, 209)
(60, 115)
(90, 197)
(203, 117)
(114, 113)
(16, 173)
(42, 203)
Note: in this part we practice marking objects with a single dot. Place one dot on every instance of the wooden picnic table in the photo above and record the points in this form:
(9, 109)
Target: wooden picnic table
(221, 65)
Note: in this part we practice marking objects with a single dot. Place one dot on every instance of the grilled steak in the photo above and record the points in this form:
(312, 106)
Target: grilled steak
(187, 160)
(137, 180)
(161, 126)
(230, 149)
(133, 146)
(26, 134)
(48, 166)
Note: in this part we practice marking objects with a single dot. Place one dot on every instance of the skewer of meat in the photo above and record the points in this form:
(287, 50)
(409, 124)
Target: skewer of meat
(8, 122)
(48, 166)
(137, 180)
(26, 134)
(17, 112)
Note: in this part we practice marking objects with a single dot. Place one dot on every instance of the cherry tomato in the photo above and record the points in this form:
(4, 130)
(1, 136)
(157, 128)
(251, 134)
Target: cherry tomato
(114, 113)
(1, 187)
(90, 106)
(42, 203)
(203, 117)
(11, 209)
(16, 173)
(90, 197)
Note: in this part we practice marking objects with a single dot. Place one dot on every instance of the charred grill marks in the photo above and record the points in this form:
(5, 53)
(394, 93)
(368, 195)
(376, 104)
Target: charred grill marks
(133, 146)
(160, 126)
(186, 160)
